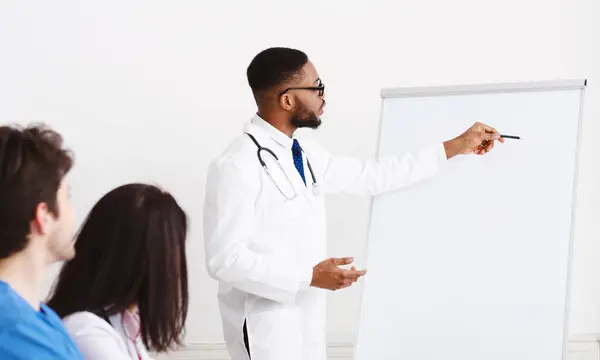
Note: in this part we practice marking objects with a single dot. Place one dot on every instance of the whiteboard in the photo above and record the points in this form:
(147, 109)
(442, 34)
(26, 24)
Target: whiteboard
(474, 263)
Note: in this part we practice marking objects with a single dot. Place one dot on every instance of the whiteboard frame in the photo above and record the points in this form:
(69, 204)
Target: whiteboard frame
(489, 88)
(549, 85)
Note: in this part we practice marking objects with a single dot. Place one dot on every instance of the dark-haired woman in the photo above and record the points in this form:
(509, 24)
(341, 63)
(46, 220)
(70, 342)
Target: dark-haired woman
(126, 290)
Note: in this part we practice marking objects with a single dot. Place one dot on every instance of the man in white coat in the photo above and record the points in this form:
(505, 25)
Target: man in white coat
(264, 215)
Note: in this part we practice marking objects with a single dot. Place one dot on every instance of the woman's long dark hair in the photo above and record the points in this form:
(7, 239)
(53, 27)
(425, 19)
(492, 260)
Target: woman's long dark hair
(131, 250)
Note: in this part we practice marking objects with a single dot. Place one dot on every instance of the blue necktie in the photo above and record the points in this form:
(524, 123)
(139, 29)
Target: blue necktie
(297, 152)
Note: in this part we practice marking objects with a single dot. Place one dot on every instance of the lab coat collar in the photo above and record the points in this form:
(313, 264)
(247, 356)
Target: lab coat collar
(279, 137)
(117, 324)
(263, 131)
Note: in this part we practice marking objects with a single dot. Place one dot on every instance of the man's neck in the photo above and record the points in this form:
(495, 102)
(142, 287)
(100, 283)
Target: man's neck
(25, 273)
(278, 121)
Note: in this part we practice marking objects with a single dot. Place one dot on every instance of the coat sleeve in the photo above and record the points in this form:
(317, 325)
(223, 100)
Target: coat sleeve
(376, 176)
(229, 227)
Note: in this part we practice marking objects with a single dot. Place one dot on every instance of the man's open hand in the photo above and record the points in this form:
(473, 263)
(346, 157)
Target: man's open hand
(328, 275)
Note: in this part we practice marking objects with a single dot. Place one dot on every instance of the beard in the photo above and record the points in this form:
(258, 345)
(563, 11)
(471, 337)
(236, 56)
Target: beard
(304, 118)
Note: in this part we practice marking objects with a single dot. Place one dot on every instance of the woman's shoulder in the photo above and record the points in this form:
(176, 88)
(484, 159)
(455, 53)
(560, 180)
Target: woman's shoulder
(88, 323)
(95, 337)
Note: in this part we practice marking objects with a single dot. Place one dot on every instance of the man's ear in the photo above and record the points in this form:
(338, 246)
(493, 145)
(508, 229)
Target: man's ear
(41, 219)
(286, 101)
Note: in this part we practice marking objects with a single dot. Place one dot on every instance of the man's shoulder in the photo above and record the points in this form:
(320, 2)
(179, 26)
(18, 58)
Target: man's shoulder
(25, 334)
(239, 154)
(12, 316)
(14, 308)
(32, 337)
(25, 337)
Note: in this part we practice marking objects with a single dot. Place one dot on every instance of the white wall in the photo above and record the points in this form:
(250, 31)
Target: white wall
(176, 69)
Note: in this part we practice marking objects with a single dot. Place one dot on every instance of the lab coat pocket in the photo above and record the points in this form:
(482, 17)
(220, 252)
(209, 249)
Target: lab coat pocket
(296, 208)
(277, 206)
(282, 210)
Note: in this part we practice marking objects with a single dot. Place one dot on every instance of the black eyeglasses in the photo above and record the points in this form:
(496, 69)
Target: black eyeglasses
(320, 88)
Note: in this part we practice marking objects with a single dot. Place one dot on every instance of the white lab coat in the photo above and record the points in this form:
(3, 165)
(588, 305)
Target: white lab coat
(262, 247)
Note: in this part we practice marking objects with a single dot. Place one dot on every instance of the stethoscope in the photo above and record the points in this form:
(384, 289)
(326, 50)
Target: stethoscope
(315, 186)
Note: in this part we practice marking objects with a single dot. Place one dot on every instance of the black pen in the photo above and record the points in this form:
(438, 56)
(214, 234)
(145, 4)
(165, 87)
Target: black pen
(510, 137)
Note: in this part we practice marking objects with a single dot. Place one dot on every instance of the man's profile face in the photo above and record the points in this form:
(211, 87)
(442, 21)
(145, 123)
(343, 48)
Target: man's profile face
(309, 103)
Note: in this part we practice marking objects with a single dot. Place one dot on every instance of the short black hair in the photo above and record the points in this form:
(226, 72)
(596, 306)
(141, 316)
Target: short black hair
(33, 163)
(273, 67)
(130, 250)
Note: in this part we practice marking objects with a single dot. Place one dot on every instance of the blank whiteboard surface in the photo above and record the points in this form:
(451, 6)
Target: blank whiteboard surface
(474, 263)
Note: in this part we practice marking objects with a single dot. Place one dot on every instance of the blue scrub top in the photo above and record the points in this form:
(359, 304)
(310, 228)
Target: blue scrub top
(27, 334)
